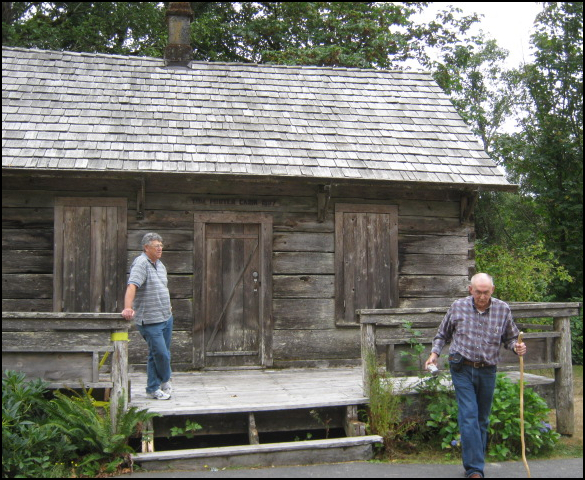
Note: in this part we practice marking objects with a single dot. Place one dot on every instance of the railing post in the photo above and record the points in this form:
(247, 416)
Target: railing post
(564, 401)
(119, 374)
(368, 340)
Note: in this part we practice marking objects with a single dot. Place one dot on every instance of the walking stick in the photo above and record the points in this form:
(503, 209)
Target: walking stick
(522, 409)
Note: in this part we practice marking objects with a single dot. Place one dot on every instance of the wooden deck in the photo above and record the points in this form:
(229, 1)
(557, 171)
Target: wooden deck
(239, 391)
(207, 392)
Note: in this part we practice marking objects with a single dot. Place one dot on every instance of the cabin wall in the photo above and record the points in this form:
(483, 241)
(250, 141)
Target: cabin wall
(435, 250)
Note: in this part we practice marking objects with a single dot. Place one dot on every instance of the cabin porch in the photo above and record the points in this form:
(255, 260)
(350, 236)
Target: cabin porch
(251, 417)
(234, 391)
(256, 416)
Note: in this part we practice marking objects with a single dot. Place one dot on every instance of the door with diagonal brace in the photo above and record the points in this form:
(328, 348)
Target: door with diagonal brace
(232, 322)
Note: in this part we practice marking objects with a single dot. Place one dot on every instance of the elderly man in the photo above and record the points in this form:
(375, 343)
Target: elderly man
(476, 326)
(148, 301)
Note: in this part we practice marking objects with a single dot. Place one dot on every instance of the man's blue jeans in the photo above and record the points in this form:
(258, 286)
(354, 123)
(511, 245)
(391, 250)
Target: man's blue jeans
(474, 389)
(158, 366)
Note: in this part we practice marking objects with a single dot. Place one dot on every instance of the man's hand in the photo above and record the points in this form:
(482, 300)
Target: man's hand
(431, 360)
(520, 348)
(128, 312)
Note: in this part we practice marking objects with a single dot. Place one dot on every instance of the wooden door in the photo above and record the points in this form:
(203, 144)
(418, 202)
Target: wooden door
(366, 259)
(233, 284)
(89, 254)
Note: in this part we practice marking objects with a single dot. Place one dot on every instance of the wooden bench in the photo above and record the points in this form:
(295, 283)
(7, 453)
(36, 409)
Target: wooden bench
(391, 332)
(65, 350)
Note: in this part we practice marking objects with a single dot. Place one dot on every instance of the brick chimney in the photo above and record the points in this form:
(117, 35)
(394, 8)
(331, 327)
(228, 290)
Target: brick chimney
(179, 52)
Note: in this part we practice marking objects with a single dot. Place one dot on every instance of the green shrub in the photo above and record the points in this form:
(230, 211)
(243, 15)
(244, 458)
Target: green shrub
(504, 432)
(385, 408)
(525, 274)
(504, 429)
(99, 445)
(66, 435)
(31, 447)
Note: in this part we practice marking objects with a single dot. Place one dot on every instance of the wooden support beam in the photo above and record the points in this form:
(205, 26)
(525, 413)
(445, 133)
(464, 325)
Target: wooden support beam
(351, 424)
(323, 199)
(140, 199)
(121, 389)
(565, 402)
(252, 430)
(368, 341)
(148, 437)
(468, 202)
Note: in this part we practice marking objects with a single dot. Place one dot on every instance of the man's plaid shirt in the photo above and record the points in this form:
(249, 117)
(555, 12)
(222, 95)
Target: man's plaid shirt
(477, 336)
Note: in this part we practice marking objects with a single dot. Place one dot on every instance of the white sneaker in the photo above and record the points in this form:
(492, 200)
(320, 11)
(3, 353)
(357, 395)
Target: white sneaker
(159, 395)
(166, 387)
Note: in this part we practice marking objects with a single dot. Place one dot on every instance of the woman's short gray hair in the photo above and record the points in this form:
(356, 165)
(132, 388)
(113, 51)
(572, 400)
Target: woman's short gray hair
(150, 237)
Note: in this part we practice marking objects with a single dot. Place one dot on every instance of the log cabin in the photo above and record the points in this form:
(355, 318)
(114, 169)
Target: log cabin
(288, 197)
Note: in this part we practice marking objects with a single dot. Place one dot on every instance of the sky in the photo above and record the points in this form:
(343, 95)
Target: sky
(510, 23)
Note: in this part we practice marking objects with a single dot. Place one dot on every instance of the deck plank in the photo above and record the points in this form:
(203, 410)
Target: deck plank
(253, 390)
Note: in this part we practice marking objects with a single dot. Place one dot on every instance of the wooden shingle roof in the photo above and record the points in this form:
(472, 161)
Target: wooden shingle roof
(91, 112)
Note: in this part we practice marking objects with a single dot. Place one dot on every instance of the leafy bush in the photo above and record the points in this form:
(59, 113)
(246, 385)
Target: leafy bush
(442, 410)
(57, 437)
(99, 445)
(524, 274)
(505, 422)
(31, 447)
(528, 274)
(385, 408)
(504, 431)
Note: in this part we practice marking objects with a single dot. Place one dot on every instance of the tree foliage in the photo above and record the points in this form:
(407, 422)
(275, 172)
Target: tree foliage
(546, 156)
(524, 274)
(348, 34)
(470, 69)
(351, 34)
(128, 28)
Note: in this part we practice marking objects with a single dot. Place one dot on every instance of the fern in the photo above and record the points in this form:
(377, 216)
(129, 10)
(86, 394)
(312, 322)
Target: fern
(90, 428)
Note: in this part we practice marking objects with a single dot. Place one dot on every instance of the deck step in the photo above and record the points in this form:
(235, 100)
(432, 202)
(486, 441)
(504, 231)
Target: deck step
(269, 454)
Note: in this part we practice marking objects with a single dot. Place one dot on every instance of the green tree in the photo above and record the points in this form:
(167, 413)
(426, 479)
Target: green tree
(546, 156)
(128, 28)
(471, 70)
(348, 34)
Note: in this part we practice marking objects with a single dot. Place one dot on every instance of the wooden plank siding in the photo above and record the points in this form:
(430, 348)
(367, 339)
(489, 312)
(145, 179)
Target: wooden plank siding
(89, 252)
(435, 250)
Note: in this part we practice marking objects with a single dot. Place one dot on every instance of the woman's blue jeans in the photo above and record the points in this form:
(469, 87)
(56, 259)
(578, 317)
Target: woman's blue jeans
(474, 390)
(158, 365)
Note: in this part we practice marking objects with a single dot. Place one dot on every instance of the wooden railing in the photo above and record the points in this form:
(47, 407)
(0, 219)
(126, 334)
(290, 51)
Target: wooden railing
(65, 350)
(392, 331)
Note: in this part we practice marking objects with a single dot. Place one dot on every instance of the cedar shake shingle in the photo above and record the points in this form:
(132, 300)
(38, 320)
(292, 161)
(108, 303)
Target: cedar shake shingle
(78, 111)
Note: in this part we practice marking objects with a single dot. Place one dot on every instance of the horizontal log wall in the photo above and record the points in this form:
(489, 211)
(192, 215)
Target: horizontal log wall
(435, 250)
